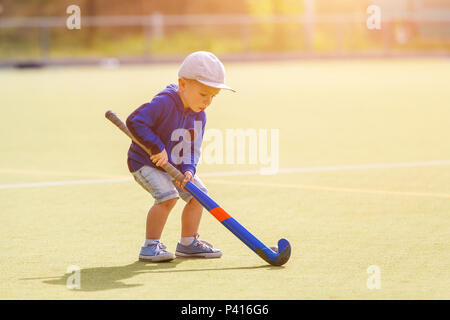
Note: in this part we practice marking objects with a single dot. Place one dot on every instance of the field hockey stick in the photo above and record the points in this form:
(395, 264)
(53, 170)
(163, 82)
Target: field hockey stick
(276, 257)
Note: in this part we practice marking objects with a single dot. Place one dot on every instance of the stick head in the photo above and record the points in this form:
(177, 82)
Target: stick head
(276, 257)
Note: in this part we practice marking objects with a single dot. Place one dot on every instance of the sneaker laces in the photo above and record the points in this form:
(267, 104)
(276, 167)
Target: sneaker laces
(202, 243)
(160, 246)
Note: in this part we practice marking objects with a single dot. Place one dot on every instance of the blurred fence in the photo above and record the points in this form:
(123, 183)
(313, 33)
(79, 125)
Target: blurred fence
(157, 35)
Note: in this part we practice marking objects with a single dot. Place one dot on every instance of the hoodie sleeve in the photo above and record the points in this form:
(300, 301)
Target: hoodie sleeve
(196, 144)
(142, 121)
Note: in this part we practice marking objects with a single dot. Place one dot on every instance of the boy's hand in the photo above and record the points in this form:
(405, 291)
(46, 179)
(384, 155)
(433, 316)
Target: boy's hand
(188, 176)
(160, 159)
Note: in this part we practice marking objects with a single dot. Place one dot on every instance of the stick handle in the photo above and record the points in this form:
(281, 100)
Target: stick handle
(168, 167)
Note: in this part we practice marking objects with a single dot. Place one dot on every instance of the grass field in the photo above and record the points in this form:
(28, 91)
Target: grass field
(339, 222)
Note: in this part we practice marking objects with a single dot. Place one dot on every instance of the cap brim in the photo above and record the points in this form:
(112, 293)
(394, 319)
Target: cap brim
(216, 85)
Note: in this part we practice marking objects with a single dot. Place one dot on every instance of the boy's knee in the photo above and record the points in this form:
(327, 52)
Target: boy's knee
(194, 202)
(169, 203)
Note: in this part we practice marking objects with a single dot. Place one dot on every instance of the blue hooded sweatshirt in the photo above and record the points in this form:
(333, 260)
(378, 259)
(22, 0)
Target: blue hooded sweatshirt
(155, 124)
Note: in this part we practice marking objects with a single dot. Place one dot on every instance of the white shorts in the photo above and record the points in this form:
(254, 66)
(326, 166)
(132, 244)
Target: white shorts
(162, 186)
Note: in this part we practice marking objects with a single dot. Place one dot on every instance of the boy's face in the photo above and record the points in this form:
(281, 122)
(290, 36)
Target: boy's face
(195, 95)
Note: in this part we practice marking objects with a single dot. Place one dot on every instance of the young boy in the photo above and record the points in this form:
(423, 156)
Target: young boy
(200, 78)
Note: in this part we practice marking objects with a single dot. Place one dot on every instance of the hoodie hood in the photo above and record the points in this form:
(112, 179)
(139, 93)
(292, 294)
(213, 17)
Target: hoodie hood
(172, 91)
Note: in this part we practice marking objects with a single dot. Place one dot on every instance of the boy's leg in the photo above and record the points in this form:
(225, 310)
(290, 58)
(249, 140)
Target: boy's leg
(192, 212)
(160, 185)
(157, 217)
(190, 218)
(189, 244)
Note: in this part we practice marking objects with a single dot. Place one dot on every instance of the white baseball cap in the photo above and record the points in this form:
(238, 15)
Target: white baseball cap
(204, 67)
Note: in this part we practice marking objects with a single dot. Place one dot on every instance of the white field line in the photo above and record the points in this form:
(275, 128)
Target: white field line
(327, 188)
(332, 168)
(236, 173)
(62, 183)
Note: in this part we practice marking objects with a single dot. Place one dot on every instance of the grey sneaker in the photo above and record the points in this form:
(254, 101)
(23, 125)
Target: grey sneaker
(198, 248)
(155, 252)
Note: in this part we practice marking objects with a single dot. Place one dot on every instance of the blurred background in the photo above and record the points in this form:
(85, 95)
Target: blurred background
(364, 150)
(156, 30)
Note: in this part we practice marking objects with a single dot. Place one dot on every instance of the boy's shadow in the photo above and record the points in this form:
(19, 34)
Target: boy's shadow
(106, 278)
